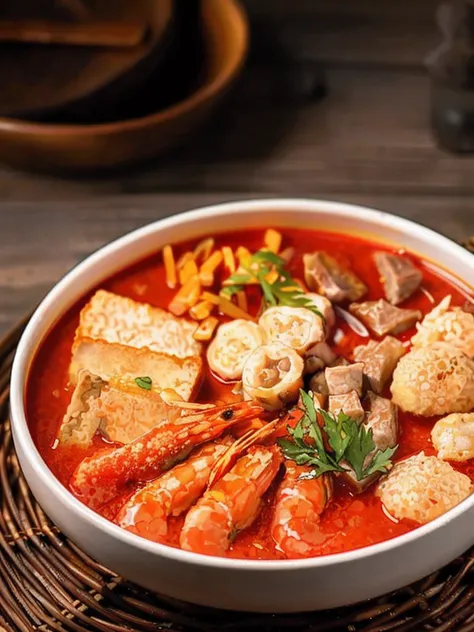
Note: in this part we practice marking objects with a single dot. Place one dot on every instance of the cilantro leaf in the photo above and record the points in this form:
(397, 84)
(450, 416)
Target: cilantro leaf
(380, 461)
(360, 446)
(351, 445)
(283, 291)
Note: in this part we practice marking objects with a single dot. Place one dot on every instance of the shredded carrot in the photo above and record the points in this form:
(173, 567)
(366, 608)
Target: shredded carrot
(183, 260)
(225, 306)
(287, 254)
(206, 272)
(211, 264)
(186, 297)
(229, 259)
(242, 300)
(206, 328)
(203, 249)
(243, 255)
(272, 277)
(189, 270)
(170, 267)
(272, 240)
(201, 310)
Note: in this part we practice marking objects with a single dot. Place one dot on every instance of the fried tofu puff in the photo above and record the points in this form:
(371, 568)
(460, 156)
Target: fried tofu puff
(453, 437)
(272, 376)
(445, 324)
(422, 488)
(295, 327)
(231, 346)
(434, 380)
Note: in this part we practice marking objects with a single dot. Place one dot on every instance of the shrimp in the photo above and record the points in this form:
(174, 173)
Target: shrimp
(232, 504)
(101, 477)
(298, 507)
(146, 513)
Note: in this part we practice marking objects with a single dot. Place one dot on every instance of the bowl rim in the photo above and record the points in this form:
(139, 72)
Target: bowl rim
(27, 346)
(202, 94)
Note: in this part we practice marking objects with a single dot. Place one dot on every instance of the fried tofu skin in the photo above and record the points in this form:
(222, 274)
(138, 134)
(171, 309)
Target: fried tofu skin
(119, 414)
(116, 319)
(120, 363)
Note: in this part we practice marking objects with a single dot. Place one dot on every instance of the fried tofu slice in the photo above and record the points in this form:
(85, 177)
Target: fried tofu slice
(119, 413)
(119, 363)
(116, 319)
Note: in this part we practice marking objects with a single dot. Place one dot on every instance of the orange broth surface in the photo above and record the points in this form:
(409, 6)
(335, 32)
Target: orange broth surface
(350, 521)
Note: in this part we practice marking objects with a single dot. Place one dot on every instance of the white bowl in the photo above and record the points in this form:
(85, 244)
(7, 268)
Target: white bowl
(262, 586)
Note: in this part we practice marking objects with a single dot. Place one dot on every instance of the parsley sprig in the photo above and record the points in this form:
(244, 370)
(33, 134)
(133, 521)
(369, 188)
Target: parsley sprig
(352, 445)
(282, 291)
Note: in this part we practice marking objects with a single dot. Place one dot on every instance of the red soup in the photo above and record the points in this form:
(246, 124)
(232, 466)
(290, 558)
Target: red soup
(129, 446)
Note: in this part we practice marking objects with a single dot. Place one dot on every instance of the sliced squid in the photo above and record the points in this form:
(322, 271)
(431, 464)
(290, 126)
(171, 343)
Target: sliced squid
(232, 345)
(272, 375)
(295, 327)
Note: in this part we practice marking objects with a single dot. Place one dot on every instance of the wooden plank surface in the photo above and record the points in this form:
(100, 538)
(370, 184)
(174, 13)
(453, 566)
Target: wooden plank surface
(42, 241)
(369, 141)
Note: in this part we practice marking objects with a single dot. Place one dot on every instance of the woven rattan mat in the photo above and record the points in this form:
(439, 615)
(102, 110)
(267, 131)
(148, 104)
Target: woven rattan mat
(47, 583)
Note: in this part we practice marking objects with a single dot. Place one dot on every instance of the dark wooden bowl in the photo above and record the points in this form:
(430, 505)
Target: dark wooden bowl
(59, 148)
(42, 81)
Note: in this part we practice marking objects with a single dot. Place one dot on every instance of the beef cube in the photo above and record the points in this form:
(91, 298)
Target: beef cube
(400, 278)
(382, 419)
(323, 274)
(384, 318)
(348, 404)
(122, 415)
(350, 479)
(379, 360)
(344, 379)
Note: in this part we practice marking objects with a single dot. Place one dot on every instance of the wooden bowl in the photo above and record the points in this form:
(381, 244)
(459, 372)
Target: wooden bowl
(81, 79)
(59, 148)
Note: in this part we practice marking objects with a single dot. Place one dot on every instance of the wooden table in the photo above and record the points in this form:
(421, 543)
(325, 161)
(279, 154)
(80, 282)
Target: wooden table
(368, 141)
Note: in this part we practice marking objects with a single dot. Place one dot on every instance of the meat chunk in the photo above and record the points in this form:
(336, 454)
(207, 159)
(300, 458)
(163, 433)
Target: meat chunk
(453, 437)
(121, 415)
(116, 319)
(324, 275)
(422, 488)
(125, 364)
(434, 380)
(382, 419)
(349, 403)
(379, 360)
(399, 276)
(344, 379)
(317, 357)
(384, 318)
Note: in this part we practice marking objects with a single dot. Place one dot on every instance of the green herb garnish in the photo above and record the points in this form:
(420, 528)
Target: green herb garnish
(144, 382)
(282, 291)
(352, 445)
